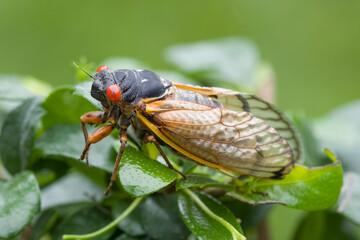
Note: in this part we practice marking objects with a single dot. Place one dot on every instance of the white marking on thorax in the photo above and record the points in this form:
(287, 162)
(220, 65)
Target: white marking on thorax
(163, 81)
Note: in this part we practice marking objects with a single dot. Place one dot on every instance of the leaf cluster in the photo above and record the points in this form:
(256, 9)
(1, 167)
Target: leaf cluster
(46, 192)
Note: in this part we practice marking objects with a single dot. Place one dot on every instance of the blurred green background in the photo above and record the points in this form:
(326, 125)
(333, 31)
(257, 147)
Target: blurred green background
(313, 46)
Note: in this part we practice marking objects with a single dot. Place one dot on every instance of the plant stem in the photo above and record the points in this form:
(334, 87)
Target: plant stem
(234, 233)
(132, 206)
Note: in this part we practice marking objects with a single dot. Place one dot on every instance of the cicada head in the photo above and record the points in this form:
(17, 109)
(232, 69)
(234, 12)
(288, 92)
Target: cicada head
(112, 87)
(102, 80)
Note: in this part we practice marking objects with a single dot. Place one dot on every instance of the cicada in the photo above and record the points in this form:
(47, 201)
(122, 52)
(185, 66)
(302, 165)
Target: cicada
(220, 128)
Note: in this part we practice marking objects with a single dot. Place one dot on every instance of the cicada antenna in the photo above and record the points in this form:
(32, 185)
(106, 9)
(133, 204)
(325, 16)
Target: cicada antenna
(83, 70)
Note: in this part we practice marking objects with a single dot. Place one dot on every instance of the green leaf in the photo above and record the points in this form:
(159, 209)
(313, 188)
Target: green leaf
(250, 216)
(304, 188)
(72, 188)
(198, 181)
(44, 223)
(83, 89)
(45, 176)
(86, 220)
(158, 213)
(19, 202)
(67, 142)
(18, 133)
(47, 170)
(188, 166)
(12, 92)
(230, 59)
(131, 224)
(15, 90)
(282, 221)
(349, 200)
(324, 226)
(140, 175)
(311, 227)
(95, 174)
(200, 223)
(63, 106)
(150, 150)
(340, 131)
(36, 86)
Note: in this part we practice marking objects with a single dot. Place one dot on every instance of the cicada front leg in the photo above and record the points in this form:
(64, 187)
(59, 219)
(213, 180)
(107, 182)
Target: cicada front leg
(94, 118)
(123, 141)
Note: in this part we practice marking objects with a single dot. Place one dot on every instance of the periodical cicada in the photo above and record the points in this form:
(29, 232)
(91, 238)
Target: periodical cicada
(223, 129)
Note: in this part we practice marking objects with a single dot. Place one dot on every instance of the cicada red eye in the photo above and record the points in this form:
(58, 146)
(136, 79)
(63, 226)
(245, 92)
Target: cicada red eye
(113, 93)
(102, 68)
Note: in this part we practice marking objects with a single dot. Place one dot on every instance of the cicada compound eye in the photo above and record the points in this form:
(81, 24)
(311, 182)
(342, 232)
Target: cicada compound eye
(113, 93)
(102, 68)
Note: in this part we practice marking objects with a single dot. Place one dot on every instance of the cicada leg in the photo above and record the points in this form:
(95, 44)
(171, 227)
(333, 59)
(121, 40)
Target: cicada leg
(94, 118)
(151, 138)
(123, 141)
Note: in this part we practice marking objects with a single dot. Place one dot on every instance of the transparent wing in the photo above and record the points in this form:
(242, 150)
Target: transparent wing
(238, 101)
(221, 138)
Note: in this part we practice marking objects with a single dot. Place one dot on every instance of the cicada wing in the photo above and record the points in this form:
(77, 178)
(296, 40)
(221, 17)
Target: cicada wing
(220, 138)
(238, 101)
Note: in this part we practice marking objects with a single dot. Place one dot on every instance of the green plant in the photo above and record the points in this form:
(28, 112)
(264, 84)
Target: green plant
(41, 141)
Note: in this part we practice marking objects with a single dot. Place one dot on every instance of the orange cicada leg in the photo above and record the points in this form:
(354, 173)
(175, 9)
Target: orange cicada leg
(123, 141)
(94, 118)
(151, 138)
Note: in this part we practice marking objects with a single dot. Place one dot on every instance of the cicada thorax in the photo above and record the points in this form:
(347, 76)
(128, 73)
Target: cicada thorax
(140, 84)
